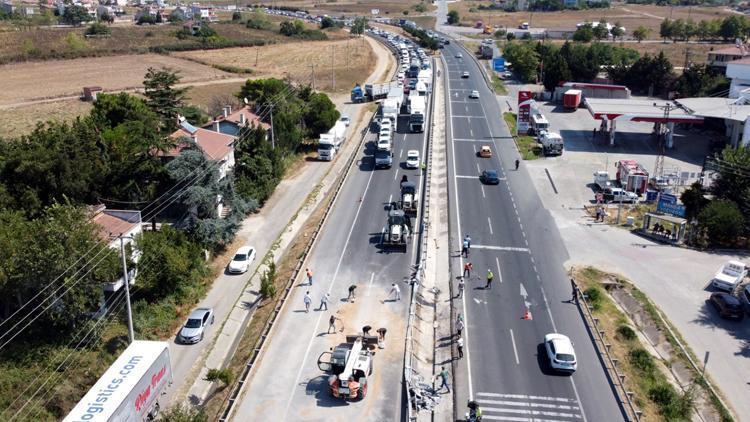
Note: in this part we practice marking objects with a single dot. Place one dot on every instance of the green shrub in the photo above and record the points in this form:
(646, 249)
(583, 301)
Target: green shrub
(223, 375)
(594, 296)
(626, 332)
(672, 405)
(642, 361)
(183, 413)
(421, 8)
(98, 28)
(258, 21)
(267, 280)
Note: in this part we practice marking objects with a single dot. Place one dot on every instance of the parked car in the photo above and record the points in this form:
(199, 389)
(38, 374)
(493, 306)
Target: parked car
(728, 306)
(465, 75)
(489, 177)
(242, 260)
(196, 325)
(560, 352)
(474, 94)
(412, 159)
(619, 195)
(729, 276)
(485, 151)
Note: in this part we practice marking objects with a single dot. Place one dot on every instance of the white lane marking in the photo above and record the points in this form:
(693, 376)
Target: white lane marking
(530, 412)
(467, 349)
(513, 340)
(527, 397)
(529, 404)
(499, 273)
(314, 334)
(390, 198)
(489, 223)
(369, 285)
(466, 107)
(461, 176)
(499, 248)
(471, 132)
(395, 175)
(482, 186)
(478, 170)
(462, 116)
(468, 140)
(400, 152)
(474, 147)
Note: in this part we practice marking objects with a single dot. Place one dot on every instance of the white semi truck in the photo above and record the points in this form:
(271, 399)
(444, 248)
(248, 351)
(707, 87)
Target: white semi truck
(130, 389)
(417, 109)
(329, 143)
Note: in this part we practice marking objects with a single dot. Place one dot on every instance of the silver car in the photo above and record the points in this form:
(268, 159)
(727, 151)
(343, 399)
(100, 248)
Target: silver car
(196, 325)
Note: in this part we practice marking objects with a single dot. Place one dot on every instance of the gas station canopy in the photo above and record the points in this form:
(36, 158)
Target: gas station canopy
(638, 111)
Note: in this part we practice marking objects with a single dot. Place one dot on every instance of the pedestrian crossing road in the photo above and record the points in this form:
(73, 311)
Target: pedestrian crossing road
(522, 408)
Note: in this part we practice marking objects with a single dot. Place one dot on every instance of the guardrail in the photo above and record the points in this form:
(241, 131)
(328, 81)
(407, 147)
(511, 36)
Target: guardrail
(418, 275)
(624, 396)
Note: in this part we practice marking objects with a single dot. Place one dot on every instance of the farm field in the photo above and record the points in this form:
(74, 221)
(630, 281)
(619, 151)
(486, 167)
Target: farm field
(29, 81)
(351, 60)
(629, 15)
(387, 7)
(20, 121)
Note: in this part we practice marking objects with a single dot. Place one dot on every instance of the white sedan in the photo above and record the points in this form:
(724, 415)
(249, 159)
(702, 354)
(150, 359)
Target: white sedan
(242, 260)
(474, 94)
(560, 352)
(412, 159)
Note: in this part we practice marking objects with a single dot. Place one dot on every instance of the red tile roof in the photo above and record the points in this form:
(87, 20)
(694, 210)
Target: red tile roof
(734, 51)
(250, 117)
(215, 145)
(111, 225)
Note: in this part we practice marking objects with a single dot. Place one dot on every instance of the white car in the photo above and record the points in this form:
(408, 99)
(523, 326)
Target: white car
(474, 94)
(346, 120)
(412, 159)
(465, 75)
(386, 126)
(400, 76)
(459, 55)
(195, 327)
(242, 260)
(560, 352)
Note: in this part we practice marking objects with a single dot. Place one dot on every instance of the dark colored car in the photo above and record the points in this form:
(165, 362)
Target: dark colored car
(727, 305)
(413, 84)
(489, 177)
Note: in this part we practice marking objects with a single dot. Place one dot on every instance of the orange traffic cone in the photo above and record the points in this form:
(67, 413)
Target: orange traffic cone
(527, 315)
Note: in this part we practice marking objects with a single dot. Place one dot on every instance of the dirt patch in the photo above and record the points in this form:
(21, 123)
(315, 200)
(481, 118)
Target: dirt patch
(303, 62)
(22, 120)
(621, 308)
(36, 80)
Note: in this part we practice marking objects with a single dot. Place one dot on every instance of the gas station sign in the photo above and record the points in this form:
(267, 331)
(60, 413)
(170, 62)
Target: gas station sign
(524, 112)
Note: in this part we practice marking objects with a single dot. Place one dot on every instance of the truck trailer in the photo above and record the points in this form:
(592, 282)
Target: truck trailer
(130, 389)
(572, 99)
(329, 143)
(417, 113)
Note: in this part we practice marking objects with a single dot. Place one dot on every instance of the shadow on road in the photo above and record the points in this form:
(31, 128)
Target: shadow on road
(709, 317)
(543, 361)
(318, 387)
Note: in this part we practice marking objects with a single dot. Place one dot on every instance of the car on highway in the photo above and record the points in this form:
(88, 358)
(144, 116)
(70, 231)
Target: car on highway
(459, 55)
(489, 177)
(242, 260)
(727, 306)
(560, 352)
(195, 327)
(383, 159)
(412, 159)
(400, 76)
(413, 84)
(474, 94)
(386, 126)
(384, 142)
(465, 75)
(485, 151)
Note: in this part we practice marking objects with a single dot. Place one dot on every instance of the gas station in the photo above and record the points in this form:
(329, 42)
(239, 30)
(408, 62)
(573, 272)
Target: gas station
(662, 114)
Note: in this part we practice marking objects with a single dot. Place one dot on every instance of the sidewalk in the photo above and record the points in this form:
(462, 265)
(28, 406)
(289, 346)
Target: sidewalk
(273, 229)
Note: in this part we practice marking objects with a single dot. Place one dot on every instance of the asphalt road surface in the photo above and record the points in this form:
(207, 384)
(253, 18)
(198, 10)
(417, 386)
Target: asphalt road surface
(287, 384)
(504, 367)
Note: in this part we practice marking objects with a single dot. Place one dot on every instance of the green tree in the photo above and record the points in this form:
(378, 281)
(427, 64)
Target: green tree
(453, 17)
(146, 19)
(162, 96)
(223, 375)
(183, 413)
(287, 108)
(617, 31)
(641, 33)
(700, 81)
(320, 114)
(666, 29)
(678, 30)
(723, 220)
(75, 15)
(694, 199)
(236, 16)
(733, 180)
(733, 27)
(258, 21)
(291, 28)
(181, 263)
(327, 22)
(359, 25)
(177, 15)
(98, 28)
(600, 31)
(584, 33)
(555, 71)
(199, 199)
(525, 60)
(704, 31)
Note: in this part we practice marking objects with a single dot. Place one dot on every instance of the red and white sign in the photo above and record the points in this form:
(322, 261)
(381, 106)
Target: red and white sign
(524, 112)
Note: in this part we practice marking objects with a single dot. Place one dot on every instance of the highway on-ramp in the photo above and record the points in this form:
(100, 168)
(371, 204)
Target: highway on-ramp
(287, 384)
(504, 367)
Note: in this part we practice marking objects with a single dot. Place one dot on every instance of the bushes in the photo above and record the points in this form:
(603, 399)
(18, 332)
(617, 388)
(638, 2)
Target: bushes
(723, 221)
(268, 280)
(626, 333)
(223, 375)
(297, 29)
(594, 296)
(98, 28)
(258, 21)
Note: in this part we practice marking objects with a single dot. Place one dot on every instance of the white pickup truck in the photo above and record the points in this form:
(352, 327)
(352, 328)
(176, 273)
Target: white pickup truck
(729, 275)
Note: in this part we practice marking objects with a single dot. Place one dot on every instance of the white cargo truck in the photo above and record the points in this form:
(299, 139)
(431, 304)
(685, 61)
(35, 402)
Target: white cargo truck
(329, 143)
(130, 389)
(390, 111)
(417, 117)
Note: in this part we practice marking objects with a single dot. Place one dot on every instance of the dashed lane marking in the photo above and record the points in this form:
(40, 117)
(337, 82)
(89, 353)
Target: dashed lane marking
(500, 248)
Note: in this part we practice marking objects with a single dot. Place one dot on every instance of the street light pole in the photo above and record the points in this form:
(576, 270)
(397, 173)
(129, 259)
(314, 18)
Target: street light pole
(131, 336)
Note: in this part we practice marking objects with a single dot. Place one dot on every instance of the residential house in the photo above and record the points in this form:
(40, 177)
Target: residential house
(231, 123)
(23, 8)
(204, 13)
(720, 58)
(113, 224)
(739, 72)
(216, 146)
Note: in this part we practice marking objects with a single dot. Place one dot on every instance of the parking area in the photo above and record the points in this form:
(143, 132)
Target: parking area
(676, 279)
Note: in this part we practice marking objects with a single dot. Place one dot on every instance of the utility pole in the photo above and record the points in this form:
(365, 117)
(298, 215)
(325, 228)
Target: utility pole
(131, 336)
(688, 55)
(312, 69)
(257, 50)
(661, 135)
(273, 139)
(333, 73)
(347, 54)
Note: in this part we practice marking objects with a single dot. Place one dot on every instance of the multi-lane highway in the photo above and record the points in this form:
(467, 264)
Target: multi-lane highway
(515, 237)
(287, 384)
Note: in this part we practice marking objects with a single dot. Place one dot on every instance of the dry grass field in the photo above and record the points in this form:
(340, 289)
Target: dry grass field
(630, 16)
(387, 7)
(22, 120)
(23, 82)
(352, 60)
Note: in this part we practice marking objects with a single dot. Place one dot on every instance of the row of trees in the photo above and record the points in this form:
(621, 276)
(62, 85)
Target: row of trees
(727, 29)
(588, 31)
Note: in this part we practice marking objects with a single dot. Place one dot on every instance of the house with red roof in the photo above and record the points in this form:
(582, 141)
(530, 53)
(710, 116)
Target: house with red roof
(231, 123)
(216, 146)
(112, 225)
